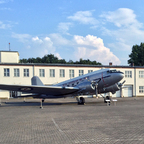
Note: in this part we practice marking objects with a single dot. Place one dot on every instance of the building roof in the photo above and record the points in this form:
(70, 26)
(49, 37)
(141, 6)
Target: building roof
(8, 51)
(69, 65)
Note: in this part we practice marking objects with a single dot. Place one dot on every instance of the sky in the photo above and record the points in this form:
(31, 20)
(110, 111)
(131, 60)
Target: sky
(104, 30)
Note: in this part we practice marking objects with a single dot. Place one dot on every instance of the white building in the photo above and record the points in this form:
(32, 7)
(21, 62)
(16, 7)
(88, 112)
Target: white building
(21, 73)
(9, 57)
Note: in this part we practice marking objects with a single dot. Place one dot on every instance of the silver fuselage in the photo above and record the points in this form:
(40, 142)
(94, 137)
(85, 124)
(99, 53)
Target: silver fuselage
(104, 78)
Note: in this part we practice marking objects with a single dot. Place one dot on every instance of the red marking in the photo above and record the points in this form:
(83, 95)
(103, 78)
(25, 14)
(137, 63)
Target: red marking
(103, 80)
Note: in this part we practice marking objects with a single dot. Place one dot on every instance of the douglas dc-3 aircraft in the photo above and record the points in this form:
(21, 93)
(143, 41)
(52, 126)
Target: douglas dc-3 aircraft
(94, 83)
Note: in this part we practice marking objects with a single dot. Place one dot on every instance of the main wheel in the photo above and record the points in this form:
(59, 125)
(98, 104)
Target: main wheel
(82, 100)
(107, 98)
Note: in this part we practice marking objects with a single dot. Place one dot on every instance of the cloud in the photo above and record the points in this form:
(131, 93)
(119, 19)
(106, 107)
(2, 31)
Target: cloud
(2, 1)
(42, 45)
(5, 9)
(129, 30)
(5, 26)
(91, 47)
(84, 17)
(88, 47)
(58, 55)
(59, 40)
(5, 1)
(37, 46)
(22, 37)
(122, 17)
(36, 39)
(64, 27)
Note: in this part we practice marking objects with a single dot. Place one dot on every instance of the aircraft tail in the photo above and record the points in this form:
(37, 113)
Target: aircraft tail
(36, 81)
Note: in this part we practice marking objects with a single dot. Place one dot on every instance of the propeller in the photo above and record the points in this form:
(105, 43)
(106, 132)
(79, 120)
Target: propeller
(94, 86)
(121, 84)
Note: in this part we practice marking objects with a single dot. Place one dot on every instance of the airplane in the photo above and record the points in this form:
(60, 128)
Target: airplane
(88, 85)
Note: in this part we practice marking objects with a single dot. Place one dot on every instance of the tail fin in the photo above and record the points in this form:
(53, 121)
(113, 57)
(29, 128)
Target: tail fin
(36, 81)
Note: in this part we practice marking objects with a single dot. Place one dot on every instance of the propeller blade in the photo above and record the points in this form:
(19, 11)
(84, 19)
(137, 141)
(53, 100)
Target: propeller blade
(121, 84)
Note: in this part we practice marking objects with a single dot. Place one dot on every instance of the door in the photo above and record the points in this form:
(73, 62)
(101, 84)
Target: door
(128, 91)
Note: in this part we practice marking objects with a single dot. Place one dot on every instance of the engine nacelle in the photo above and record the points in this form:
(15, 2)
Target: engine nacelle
(111, 89)
(86, 87)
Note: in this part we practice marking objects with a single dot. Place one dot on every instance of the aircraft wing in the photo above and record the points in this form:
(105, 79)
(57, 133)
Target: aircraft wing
(49, 90)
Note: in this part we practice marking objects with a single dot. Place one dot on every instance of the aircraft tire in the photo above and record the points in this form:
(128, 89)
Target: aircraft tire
(43, 100)
(82, 100)
(107, 98)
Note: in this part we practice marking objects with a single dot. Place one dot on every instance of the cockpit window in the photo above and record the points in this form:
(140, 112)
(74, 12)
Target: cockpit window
(112, 71)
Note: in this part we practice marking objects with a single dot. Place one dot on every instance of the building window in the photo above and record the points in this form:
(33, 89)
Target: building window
(16, 73)
(128, 74)
(89, 71)
(62, 73)
(41, 72)
(81, 72)
(141, 89)
(141, 74)
(52, 72)
(26, 72)
(71, 73)
(6, 72)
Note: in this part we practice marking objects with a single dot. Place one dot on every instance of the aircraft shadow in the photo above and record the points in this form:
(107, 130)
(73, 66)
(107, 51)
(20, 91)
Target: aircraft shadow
(36, 103)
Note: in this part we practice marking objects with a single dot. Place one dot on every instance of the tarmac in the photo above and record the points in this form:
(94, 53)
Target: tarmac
(62, 121)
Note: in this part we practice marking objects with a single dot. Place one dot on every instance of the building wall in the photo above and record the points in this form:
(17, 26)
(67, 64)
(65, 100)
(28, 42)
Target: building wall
(4, 94)
(139, 81)
(9, 57)
(134, 80)
(47, 80)
(11, 79)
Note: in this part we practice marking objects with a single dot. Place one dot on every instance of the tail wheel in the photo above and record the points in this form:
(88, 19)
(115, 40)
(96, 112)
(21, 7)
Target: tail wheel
(43, 100)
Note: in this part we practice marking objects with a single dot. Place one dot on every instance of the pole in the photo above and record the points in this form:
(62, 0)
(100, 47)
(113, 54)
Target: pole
(9, 47)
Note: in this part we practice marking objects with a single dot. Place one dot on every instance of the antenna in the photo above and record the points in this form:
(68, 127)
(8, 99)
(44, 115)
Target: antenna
(9, 47)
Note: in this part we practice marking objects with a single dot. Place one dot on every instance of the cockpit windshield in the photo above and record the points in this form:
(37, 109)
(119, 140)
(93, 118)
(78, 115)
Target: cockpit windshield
(113, 71)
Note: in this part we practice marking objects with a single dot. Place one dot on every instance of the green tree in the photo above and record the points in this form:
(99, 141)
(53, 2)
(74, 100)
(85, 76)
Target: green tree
(23, 61)
(38, 60)
(70, 62)
(137, 55)
(50, 58)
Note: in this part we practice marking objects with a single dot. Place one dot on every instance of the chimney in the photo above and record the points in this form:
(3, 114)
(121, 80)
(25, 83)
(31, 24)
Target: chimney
(110, 63)
(132, 64)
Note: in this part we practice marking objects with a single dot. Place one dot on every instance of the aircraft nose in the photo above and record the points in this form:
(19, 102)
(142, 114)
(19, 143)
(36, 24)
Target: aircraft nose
(119, 76)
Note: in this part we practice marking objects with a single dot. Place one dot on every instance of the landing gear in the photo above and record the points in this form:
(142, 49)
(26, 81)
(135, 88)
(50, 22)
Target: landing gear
(94, 87)
(81, 101)
(41, 101)
(107, 100)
